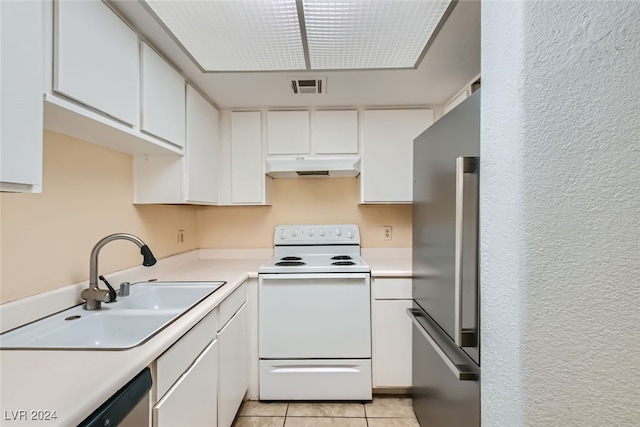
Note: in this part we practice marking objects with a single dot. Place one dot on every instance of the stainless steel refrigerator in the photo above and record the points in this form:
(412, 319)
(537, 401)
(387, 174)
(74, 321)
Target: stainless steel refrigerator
(446, 312)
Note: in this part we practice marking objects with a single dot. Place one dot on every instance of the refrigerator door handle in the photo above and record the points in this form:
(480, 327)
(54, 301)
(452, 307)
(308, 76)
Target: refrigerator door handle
(458, 370)
(464, 165)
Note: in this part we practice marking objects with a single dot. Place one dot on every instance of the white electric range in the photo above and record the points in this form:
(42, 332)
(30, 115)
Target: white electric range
(314, 316)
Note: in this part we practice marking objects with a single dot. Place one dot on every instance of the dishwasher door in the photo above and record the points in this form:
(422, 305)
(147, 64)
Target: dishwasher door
(128, 407)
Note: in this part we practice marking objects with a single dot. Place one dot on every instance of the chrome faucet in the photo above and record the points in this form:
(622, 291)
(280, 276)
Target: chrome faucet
(94, 296)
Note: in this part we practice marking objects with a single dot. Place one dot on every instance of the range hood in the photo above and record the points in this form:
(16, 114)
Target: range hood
(312, 166)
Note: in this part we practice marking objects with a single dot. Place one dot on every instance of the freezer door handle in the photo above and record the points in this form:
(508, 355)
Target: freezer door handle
(459, 371)
(464, 337)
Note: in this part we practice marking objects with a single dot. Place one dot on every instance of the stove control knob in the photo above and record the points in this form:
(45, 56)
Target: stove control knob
(350, 235)
(294, 233)
(322, 232)
(338, 232)
(311, 232)
(283, 235)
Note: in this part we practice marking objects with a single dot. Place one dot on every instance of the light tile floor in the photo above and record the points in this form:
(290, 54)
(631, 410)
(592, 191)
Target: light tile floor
(383, 411)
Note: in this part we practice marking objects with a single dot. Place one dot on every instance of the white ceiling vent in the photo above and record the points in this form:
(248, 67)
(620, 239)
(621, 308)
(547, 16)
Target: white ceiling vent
(308, 85)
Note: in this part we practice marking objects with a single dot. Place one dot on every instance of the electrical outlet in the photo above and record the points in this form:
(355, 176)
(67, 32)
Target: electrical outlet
(388, 232)
(180, 238)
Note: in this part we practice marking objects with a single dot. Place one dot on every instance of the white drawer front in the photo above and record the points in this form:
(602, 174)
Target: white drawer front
(192, 401)
(179, 357)
(315, 379)
(392, 288)
(231, 304)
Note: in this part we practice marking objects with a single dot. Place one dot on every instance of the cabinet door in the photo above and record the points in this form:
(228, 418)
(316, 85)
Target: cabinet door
(247, 172)
(163, 98)
(392, 344)
(387, 154)
(96, 59)
(234, 366)
(336, 132)
(192, 400)
(201, 149)
(288, 132)
(21, 85)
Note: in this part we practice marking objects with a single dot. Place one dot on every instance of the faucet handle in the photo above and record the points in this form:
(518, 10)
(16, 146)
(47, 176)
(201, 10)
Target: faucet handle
(112, 292)
(124, 289)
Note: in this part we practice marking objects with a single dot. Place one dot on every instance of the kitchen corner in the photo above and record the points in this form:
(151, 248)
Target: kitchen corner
(74, 383)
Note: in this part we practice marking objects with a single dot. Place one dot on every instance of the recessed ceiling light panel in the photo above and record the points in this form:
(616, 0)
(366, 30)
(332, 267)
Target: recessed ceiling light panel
(361, 34)
(275, 35)
(238, 35)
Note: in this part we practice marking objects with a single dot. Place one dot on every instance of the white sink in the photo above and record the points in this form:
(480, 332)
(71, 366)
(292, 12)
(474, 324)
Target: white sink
(126, 323)
(163, 295)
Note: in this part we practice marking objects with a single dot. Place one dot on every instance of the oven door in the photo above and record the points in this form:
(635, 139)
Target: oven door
(314, 316)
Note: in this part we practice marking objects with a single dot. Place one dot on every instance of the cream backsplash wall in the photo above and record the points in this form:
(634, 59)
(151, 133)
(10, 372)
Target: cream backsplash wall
(87, 194)
(303, 201)
(46, 239)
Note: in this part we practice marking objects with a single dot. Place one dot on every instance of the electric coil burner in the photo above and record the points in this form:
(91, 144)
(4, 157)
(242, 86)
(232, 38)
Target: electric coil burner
(314, 302)
(316, 249)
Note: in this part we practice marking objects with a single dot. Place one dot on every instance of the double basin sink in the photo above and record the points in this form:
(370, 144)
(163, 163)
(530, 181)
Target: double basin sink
(125, 323)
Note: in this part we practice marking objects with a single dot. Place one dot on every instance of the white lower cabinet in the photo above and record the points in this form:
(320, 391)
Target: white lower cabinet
(233, 369)
(192, 400)
(391, 333)
(185, 383)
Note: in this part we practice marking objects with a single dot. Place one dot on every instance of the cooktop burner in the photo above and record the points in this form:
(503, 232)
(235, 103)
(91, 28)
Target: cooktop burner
(289, 263)
(312, 248)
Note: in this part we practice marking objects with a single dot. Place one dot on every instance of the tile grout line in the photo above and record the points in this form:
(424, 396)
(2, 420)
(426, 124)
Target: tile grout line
(286, 412)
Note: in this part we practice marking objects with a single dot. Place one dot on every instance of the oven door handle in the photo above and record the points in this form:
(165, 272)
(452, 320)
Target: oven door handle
(305, 276)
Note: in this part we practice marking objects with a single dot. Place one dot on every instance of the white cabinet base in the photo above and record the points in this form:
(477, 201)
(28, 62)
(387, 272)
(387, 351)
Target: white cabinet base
(192, 400)
(392, 344)
(343, 379)
(234, 365)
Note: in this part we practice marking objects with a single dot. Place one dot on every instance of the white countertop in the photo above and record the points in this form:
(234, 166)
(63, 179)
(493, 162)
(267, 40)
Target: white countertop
(390, 262)
(74, 383)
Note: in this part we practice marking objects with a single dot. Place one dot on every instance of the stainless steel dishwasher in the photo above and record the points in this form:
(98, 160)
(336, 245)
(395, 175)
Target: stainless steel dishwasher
(128, 407)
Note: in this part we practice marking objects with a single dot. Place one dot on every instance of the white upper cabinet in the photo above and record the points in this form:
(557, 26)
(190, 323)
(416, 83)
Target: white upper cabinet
(387, 153)
(192, 178)
(21, 85)
(288, 132)
(202, 149)
(96, 59)
(247, 167)
(163, 98)
(336, 132)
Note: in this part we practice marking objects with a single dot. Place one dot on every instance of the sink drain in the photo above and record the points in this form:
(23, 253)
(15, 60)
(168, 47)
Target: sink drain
(72, 317)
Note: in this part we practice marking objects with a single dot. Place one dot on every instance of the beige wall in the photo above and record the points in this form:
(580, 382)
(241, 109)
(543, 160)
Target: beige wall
(46, 239)
(303, 201)
(87, 194)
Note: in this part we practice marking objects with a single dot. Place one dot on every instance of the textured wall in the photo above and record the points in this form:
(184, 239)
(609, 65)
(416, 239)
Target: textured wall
(560, 214)
(87, 194)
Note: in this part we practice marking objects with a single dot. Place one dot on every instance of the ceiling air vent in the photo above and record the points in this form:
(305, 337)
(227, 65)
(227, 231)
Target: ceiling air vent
(308, 85)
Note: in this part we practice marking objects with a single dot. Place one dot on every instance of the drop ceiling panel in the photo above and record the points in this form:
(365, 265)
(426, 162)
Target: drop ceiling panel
(452, 61)
(364, 34)
(239, 35)
(274, 35)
